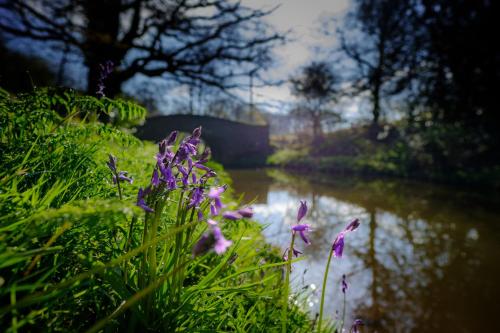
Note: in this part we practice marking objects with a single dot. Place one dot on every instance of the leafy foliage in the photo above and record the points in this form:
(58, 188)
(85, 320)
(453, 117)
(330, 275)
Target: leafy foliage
(70, 250)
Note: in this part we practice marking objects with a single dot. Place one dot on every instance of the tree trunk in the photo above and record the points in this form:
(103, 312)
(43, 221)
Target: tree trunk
(376, 104)
(317, 132)
(101, 45)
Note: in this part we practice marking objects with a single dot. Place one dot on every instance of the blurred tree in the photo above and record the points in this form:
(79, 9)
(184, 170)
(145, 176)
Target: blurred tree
(21, 73)
(440, 54)
(460, 62)
(315, 85)
(376, 38)
(215, 42)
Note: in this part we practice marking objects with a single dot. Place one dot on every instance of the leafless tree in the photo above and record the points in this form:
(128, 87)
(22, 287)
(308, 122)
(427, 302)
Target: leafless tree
(316, 87)
(214, 42)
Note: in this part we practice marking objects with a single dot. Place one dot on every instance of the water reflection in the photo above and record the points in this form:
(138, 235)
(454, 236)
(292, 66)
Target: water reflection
(425, 259)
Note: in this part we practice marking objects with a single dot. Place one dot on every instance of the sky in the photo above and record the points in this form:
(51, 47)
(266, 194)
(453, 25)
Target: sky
(303, 19)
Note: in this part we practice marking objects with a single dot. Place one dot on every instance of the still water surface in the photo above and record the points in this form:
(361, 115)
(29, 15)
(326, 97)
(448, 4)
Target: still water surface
(425, 258)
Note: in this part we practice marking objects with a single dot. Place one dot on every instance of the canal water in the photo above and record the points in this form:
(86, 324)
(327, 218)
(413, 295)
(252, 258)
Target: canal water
(425, 258)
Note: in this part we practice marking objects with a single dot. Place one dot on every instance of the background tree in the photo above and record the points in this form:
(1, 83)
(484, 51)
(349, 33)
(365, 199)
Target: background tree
(188, 40)
(460, 62)
(316, 88)
(375, 38)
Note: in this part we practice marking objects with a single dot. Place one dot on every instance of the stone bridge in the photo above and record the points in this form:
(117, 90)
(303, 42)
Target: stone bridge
(232, 143)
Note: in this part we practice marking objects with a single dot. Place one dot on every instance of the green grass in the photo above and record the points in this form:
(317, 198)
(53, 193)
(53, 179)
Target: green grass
(71, 252)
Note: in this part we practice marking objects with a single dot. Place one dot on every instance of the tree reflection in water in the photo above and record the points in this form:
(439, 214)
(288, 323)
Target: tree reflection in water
(425, 259)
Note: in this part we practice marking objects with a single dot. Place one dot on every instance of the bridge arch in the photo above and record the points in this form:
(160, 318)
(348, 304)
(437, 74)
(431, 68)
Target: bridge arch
(232, 143)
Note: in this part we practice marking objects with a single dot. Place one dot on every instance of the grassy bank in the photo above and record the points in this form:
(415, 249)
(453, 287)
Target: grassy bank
(443, 154)
(78, 254)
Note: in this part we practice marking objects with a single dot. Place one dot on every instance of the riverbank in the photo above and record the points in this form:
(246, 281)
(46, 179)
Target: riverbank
(440, 155)
(91, 242)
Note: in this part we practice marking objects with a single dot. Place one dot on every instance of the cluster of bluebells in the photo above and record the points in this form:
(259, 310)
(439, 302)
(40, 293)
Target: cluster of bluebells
(338, 243)
(104, 71)
(301, 229)
(185, 170)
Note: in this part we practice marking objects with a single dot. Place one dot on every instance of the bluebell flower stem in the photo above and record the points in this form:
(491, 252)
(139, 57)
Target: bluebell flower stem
(185, 246)
(118, 186)
(127, 247)
(177, 249)
(152, 252)
(323, 291)
(343, 315)
(286, 287)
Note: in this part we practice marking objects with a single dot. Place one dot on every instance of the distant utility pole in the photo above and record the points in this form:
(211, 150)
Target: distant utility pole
(250, 103)
(191, 98)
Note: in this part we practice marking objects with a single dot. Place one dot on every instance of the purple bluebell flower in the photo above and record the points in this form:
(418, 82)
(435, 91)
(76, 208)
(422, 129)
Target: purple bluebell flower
(196, 197)
(302, 229)
(155, 180)
(140, 199)
(246, 212)
(168, 177)
(162, 149)
(186, 149)
(211, 222)
(353, 225)
(203, 245)
(231, 215)
(170, 140)
(213, 210)
(209, 174)
(214, 194)
(221, 244)
(164, 154)
(202, 167)
(111, 163)
(104, 71)
(204, 156)
(122, 175)
(302, 210)
(355, 326)
(185, 174)
(196, 133)
(193, 178)
(211, 240)
(344, 284)
(200, 215)
(294, 251)
(338, 243)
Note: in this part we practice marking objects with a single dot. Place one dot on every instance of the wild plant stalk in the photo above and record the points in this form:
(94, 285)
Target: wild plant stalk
(287, 285)
(118, 187)
(127, 247)
(181, 214)
(343, 314)
(323, 291)
(336, 251)
(151, 256)
(302, 230)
